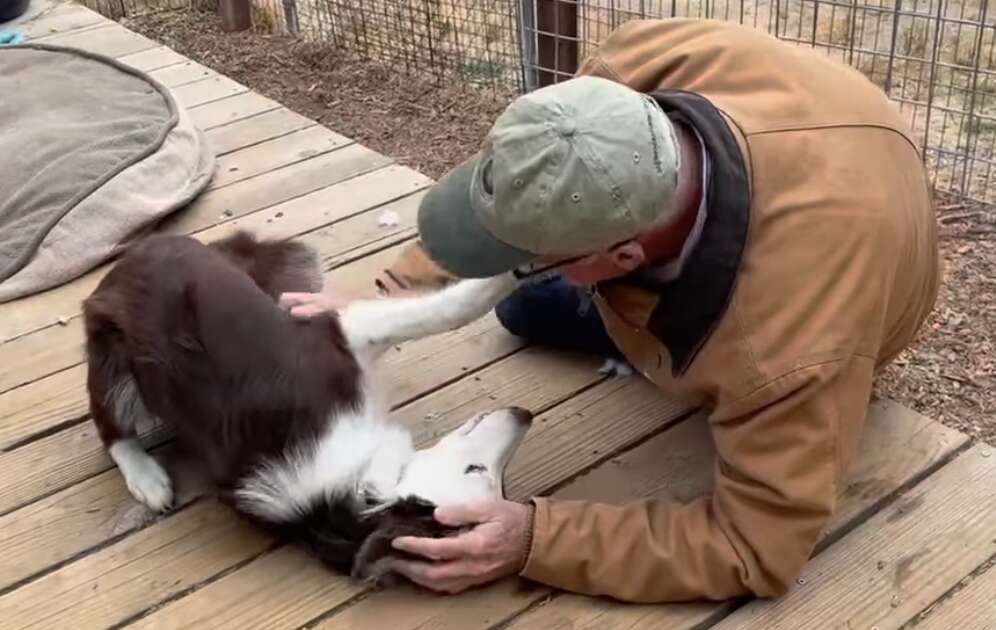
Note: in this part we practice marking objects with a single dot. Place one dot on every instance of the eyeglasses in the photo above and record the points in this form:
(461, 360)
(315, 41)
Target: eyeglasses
(531, 270)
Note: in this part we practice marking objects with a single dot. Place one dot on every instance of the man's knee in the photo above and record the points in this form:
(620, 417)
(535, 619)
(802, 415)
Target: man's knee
(537, 308)
(512, 314)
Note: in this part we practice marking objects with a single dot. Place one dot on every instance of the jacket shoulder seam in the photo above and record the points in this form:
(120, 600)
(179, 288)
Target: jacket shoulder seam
(832, 125)
(604, 65)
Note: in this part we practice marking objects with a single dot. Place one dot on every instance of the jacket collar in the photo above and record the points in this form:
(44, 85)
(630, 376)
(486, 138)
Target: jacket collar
(690, 306)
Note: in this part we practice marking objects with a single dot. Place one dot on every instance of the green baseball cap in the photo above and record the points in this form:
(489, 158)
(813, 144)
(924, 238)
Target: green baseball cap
(567, 169)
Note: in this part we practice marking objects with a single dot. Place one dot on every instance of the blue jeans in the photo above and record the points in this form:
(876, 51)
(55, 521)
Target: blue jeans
(548, 312)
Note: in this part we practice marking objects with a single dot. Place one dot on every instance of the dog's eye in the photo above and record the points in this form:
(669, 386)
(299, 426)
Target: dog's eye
(474, 468)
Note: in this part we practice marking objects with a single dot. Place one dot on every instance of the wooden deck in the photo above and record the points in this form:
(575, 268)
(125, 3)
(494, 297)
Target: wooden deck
(912, 541)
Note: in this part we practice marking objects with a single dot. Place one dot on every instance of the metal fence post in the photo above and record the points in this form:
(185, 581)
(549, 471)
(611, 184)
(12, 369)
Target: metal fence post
(557, 39)
(527, 40)
(548, 32)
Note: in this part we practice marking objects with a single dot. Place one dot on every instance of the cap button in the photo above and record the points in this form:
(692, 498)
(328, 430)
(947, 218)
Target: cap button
(567, 127)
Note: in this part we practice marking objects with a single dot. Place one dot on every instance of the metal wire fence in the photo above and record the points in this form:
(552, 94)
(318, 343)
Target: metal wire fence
(935, 58)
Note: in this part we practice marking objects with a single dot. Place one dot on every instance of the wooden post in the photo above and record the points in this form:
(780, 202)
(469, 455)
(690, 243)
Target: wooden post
(235, 15)
(290, 17)
(556, 40)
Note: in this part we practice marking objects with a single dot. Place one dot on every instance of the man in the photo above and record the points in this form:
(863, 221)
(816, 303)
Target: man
(753, 225)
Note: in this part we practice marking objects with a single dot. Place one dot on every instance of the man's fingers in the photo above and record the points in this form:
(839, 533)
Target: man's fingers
(448, 577)
(460, 515)
(288, 300)
(306, 311)
(308, 305)
(433, 548)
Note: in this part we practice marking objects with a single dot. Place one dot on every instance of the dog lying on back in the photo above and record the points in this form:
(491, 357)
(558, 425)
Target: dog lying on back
(283, 414)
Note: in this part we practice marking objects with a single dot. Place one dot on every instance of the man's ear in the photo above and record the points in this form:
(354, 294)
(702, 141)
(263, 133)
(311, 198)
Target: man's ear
(628, 256)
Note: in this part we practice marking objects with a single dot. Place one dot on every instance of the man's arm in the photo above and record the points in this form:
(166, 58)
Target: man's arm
(780, 452)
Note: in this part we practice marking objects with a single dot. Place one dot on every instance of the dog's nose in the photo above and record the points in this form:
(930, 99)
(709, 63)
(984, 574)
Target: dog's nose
(522, 416)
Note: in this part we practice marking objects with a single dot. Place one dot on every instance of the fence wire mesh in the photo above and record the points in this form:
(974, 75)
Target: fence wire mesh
(935, 58)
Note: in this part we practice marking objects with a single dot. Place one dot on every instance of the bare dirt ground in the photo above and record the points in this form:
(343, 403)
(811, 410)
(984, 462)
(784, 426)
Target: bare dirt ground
(949, 374)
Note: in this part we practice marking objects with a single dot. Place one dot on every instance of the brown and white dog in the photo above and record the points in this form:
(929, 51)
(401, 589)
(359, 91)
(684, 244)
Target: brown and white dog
(283, 414)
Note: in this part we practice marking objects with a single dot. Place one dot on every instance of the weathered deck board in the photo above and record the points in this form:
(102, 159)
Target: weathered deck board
(181, 74)
(58, 20)
(897, 563)
(153, 59)
(111, 40)
(292, 148)
(206, 91)
(41, 406)
(256, 129)
(231, 109)
(971, 608)
(281, 589)
(121, 580)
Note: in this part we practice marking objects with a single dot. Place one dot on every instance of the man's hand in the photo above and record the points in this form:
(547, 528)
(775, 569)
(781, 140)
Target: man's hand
(307, 305)
(494, 549)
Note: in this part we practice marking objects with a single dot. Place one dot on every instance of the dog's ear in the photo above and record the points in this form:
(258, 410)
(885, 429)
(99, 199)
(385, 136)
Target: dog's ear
(412, 272)
(276, 265)
(407, 517)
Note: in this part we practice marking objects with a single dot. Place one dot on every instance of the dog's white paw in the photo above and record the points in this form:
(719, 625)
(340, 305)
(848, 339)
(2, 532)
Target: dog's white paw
(151, 485)
(614, 367)
(146, 479)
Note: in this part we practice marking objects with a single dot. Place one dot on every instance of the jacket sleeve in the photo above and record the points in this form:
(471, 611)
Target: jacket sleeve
(779, 456)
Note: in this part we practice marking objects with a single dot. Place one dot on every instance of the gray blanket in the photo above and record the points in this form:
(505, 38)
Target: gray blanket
(93, 154)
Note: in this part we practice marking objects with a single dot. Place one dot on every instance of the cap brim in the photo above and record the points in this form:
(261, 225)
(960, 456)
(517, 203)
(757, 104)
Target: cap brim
(453, 236)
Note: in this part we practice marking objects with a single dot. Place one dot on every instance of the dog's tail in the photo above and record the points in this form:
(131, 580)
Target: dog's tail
(277, 266)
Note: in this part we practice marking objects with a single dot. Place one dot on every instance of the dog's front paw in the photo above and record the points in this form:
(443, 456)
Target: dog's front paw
(151, 485)
(615, 367)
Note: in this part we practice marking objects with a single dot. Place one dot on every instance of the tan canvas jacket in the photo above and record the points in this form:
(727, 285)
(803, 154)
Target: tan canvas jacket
(817, 264)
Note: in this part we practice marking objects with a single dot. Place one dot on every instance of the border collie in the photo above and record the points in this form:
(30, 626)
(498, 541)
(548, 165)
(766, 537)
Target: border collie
(283, 414)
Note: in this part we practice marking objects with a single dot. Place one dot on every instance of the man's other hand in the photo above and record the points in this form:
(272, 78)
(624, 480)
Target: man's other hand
(495, 548)
(308, 305)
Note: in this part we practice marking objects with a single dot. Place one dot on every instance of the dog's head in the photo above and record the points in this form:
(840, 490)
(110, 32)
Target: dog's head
(354, 535)
(466, 466)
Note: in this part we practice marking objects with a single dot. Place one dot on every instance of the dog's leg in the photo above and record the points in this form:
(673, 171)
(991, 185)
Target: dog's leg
(116, 407)
(371, 326)
(116, 411)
